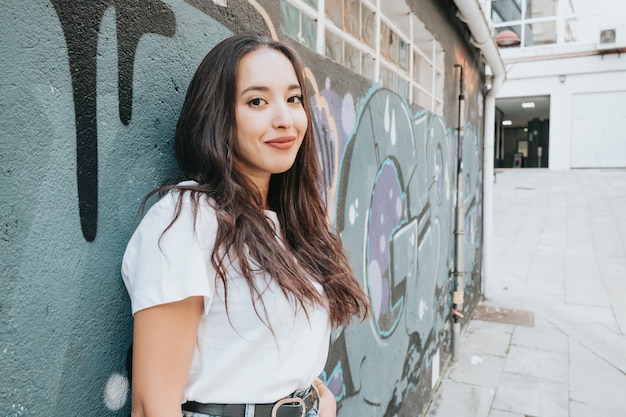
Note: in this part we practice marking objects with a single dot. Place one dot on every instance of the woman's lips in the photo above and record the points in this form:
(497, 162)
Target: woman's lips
(282, 143)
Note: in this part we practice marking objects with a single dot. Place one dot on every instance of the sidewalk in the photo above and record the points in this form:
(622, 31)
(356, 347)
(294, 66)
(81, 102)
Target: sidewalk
(557, 345)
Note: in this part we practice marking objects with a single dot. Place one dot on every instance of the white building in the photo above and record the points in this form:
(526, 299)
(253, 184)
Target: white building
(563, 104)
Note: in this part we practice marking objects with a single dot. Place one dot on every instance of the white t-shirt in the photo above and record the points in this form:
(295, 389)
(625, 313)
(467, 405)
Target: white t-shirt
(237, 358)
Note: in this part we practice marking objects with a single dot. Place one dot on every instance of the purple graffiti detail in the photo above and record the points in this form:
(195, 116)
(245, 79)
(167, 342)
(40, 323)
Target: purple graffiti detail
(335, 104)
(439, 175)
(387, 212)
(329, 133)
(325, 142)
(402, 260)
(335, 383)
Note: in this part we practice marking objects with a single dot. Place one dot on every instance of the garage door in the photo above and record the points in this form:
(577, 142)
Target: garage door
(599, 130)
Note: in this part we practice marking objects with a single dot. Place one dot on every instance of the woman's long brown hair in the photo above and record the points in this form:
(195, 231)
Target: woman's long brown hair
(204, 143)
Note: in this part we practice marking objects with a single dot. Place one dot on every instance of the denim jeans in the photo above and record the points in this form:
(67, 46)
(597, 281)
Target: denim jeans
(314, 412)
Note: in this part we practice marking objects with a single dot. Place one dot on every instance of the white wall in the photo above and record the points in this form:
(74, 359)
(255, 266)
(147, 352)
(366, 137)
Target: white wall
(598, 134)
(587, 74)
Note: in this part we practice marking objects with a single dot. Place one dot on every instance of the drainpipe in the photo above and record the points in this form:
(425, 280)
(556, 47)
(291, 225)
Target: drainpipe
(470, 12)
(459, 230)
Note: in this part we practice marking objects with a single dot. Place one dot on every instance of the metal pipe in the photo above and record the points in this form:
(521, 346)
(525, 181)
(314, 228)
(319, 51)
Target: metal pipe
(578, 54)
(488, 180)
(471, 13)
(320, 46)
(377, 40)
(459, 229)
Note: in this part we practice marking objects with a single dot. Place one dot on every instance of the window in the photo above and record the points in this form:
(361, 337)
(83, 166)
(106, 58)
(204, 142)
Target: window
(298, 25)
(400, 54)
(549, 22)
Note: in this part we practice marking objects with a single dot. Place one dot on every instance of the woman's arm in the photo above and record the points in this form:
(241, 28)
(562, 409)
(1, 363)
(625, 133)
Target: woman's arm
(328, 404)
(163, 345)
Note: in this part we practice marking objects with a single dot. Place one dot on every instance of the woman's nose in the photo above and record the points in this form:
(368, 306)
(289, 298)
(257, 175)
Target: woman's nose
(282, 116)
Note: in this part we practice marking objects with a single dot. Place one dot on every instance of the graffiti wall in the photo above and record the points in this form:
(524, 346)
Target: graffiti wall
(91, 92)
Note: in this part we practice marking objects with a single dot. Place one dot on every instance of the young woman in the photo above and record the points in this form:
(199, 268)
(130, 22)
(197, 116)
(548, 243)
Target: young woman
(235, 276)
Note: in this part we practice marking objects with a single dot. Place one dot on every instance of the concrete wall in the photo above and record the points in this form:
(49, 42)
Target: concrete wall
(91, 93)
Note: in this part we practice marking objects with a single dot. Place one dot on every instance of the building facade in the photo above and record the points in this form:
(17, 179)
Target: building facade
(566, 59)
(91, 94)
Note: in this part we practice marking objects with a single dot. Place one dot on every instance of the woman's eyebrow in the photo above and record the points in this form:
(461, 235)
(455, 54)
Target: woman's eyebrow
(265, 88)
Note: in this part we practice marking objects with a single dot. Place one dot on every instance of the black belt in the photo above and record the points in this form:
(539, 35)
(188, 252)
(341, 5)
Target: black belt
(287, 407)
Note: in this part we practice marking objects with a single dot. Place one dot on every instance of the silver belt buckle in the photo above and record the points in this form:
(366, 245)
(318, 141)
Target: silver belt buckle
(298, 400)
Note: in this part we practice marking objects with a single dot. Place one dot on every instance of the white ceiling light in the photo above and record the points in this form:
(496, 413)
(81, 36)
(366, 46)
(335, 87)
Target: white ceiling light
(507, 123)
(528, 105)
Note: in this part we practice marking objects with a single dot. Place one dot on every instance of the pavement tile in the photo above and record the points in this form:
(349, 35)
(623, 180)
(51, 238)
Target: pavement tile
(468, 400)
(619, 311)
(477, 369)
(597, 298)
(552, 270)
(532, 396)
(543, 338)
(500, 413)
(544, 322)
(603, 315)
(609, 250)
(548, 261)
(489, 338)
(594, 336)
(577, 251)
(537, 363)
(517, 268)
(593, 381)
(584, 261)
(559, 252)
(582, 230)
(613, 269)
(551, 246)
(553, 288)
(616, 285)
(586, 283)
(576, 271)
(586, 410)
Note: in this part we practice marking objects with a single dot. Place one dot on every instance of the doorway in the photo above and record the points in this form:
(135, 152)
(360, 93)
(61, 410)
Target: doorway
(522, 138)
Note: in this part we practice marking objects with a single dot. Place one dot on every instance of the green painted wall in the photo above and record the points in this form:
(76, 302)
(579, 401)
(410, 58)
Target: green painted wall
(90, 97)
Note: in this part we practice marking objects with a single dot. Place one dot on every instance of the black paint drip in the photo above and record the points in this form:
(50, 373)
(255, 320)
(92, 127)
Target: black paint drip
(81, 26)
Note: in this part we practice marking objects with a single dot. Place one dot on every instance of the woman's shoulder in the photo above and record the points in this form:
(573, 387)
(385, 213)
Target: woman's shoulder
(183, 195)
(181, 205)
(167, 257)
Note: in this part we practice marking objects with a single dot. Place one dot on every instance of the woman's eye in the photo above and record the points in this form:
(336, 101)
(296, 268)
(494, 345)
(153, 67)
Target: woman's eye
(295, 99)
(256, 102)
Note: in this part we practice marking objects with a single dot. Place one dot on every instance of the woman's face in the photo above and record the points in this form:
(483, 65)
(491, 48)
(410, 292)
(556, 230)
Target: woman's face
(269, 115)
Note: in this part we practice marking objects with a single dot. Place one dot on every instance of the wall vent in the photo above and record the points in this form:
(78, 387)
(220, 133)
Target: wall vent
(608, 36)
